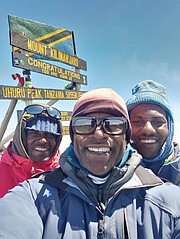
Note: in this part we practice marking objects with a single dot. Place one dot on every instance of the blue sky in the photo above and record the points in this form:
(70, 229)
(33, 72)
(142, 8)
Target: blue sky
(123, 42)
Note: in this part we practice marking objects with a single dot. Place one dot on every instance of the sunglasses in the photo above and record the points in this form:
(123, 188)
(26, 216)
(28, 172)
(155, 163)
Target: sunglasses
(38, 109)
(111, 125)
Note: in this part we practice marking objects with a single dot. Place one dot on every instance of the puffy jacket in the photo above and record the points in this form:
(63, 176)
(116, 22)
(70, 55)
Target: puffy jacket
(170, 170)
(15, 164)
(15, 169)
(65, 203)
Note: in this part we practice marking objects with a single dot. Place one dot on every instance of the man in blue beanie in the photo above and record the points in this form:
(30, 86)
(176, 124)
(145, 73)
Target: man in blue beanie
(153, 129)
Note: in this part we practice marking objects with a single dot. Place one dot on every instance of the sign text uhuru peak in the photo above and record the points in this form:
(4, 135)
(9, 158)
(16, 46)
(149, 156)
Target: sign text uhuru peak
(11, 92)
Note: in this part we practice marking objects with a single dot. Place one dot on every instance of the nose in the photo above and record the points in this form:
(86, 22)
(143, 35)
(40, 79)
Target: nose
(99, 133)
(148, 128)
(42, 137)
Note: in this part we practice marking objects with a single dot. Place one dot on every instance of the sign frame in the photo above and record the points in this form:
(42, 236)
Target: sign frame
(42, 49)
(28, 63)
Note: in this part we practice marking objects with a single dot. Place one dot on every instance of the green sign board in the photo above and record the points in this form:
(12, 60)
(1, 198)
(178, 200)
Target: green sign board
(58, 38)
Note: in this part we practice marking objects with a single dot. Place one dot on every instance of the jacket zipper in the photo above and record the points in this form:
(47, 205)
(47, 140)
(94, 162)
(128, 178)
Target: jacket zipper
(33, 170)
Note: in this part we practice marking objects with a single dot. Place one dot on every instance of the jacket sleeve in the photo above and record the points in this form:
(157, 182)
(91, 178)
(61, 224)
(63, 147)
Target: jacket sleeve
(176, 233)
(171, 172)
(19, 215)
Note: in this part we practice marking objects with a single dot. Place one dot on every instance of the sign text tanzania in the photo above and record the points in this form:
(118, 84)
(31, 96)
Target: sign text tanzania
(11, 92)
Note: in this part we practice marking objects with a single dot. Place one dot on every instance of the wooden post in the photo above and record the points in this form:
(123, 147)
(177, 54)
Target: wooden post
(52, 102)
(28, 83)
(7, 117)
(5, 140)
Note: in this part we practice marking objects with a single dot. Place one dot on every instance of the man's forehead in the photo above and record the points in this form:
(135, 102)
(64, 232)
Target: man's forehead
(99, 115)
(147, 108)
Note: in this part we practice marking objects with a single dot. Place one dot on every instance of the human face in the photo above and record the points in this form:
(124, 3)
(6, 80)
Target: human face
(40, 145)
(149, 129)
(99, 152)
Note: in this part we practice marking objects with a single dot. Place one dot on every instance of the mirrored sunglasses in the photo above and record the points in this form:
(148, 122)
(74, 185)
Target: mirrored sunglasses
(38, 109)
(87, 125)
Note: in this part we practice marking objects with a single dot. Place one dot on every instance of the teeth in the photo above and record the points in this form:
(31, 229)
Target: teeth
(41, 149)
(99, 149)
(148, 141)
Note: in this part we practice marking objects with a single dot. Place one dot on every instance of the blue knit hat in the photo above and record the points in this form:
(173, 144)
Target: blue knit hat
(151, 92)
(42, 123)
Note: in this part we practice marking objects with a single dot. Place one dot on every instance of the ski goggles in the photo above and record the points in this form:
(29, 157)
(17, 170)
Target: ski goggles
(87, 125)
(38, 109)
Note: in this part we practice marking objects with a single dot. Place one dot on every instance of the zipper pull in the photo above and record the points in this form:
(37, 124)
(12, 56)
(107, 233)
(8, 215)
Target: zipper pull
(33, 170)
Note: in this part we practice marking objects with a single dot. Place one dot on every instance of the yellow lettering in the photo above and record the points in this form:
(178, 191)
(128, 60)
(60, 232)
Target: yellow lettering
(54, 70)
(37, 47)
(71, 95)
(11, 92)
(62, 56)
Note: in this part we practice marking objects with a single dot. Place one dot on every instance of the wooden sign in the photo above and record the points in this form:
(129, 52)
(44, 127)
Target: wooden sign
(66, 130)
(66, 115)
(42, 49)
(56, 37)
(28, 63)
(13, 92)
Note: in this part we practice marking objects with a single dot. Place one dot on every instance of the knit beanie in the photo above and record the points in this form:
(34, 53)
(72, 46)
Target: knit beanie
(42, 123)
(151, 92)
(102, 100)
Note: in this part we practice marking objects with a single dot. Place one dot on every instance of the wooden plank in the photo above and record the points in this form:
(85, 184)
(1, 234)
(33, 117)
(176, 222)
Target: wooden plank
(66, 130)
(28, 63)
(24, 93)
(42, 49)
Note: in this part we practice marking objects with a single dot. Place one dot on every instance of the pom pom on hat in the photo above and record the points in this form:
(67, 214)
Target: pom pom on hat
(151, 92)
(103, 100)
(45, 124)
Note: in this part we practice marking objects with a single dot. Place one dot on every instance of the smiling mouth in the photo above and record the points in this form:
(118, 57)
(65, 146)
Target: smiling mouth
(148, 141)
(41, 149)
(99, 150)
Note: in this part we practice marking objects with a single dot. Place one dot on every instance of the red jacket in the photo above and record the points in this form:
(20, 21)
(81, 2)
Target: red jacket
(15, 163)
(15, 169)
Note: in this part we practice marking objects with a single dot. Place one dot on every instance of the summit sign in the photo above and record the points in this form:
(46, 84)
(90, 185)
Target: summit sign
(29, 63)
(33, 46)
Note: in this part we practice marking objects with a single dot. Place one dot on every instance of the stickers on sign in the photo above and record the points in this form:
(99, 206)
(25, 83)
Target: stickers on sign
(22, 62)
(16, 61)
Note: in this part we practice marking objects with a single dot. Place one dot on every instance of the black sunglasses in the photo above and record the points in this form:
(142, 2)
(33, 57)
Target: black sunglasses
(87, 125)
(38, 109)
